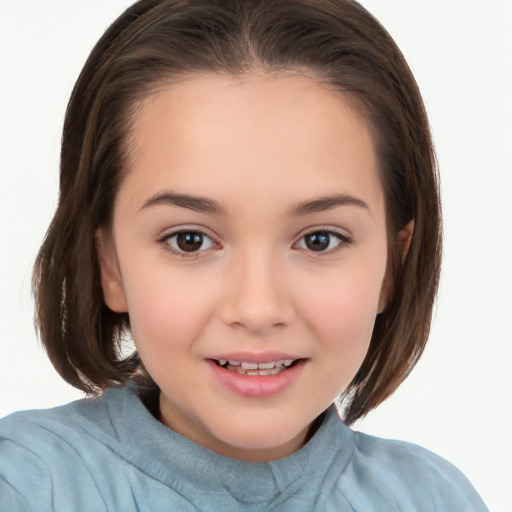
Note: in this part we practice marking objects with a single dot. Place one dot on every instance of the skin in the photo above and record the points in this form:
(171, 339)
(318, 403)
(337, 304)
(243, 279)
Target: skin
(258, 147)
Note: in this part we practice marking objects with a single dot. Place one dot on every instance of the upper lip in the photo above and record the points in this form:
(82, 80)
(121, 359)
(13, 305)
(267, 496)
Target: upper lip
(254, 357)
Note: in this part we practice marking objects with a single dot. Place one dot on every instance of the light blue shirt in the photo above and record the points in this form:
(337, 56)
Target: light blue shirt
(111, 454)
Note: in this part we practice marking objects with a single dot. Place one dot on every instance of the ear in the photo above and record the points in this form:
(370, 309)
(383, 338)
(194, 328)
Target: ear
(111, 281)
(403, 239)
(384, 293)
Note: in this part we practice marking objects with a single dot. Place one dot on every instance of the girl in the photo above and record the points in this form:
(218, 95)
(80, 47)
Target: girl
(248, 190)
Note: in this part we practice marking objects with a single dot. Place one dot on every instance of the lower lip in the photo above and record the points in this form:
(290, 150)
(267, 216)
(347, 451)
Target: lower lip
(257, 386)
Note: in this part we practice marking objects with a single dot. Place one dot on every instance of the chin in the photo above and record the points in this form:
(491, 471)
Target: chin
(261, 444)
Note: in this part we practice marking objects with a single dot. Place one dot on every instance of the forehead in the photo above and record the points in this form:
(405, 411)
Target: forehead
(213, 134)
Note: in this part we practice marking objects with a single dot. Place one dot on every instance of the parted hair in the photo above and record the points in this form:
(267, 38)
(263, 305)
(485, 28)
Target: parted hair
(154, 41)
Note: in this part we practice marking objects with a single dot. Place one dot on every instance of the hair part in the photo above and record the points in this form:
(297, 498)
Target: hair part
(154, 42)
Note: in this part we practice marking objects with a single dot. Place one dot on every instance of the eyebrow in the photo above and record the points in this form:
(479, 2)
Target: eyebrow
(322, 204)
(205, 205)
(195, 203)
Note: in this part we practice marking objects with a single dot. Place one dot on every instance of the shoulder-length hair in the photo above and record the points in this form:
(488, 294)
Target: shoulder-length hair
(336, 41)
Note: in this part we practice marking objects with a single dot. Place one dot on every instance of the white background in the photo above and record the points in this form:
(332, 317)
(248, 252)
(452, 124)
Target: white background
(457, 402)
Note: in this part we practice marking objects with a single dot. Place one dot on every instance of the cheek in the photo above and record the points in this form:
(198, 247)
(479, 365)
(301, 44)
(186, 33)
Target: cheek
(341, 310)
(343, 323)
(349, 307)
(167, 308)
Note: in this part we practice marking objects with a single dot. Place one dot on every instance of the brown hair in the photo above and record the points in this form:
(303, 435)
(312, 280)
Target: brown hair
(338, 42)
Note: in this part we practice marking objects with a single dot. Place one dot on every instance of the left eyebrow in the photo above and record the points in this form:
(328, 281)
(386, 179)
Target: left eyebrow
(322, 204)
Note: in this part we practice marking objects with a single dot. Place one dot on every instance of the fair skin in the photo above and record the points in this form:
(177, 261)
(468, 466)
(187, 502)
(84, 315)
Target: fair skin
(224, 247)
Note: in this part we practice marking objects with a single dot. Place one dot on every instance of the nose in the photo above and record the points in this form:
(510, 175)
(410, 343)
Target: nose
(256, 294)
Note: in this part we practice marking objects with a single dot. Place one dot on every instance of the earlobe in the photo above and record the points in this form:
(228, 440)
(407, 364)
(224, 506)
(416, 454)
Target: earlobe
(111, 282)
(404, 238)
(383, 298)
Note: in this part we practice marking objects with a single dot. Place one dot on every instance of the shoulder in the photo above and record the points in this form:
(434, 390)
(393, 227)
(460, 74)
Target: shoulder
(44, 430)
(22, 465)
(414, 475)
(44, 452)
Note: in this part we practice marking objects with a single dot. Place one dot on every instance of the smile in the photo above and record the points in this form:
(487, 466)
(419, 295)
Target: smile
(270, 375)
(254, 369)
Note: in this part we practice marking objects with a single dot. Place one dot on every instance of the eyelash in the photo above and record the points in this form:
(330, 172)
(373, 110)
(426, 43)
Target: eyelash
(343, 239)
(165, 242)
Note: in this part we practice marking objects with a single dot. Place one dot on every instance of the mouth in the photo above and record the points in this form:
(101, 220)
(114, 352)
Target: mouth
(256, 369)
(257, 375)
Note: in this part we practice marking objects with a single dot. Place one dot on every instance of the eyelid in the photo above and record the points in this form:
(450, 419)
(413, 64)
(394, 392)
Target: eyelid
(344, 237)
(171, 232)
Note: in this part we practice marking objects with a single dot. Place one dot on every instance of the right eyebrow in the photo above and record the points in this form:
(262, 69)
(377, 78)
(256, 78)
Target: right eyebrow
(195, 203)
(321, 204)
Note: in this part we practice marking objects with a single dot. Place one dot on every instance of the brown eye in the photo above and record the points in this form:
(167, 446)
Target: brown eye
(318, 241)
(190, 241)
(322, 241)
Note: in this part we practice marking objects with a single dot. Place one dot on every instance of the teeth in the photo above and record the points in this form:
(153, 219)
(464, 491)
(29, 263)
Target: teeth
(270, 371)
(248, 368)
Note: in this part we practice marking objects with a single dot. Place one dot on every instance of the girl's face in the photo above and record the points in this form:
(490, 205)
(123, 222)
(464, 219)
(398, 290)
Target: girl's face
(249, 249)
